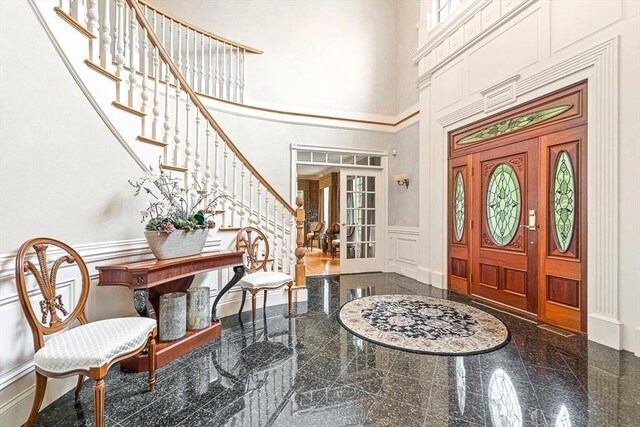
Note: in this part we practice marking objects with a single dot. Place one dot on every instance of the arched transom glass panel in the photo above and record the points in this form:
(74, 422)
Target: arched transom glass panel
(458, 208)
(503, 204)
(564, 201)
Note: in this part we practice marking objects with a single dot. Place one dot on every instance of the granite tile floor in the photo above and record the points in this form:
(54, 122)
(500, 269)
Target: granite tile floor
(308, 371)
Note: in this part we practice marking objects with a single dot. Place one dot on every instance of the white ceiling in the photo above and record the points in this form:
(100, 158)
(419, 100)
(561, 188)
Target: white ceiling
(313, 170)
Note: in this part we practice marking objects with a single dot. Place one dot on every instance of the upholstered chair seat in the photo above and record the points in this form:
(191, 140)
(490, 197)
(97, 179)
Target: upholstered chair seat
(256, 246)
(93, 345)
(265, 280)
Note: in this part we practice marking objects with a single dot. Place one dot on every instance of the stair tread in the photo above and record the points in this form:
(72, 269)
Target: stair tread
(72, 21)
(128, 109)
(96, 67)
(151, 141)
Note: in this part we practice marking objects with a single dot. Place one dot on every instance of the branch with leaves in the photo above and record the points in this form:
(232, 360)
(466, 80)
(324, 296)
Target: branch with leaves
(175, 208)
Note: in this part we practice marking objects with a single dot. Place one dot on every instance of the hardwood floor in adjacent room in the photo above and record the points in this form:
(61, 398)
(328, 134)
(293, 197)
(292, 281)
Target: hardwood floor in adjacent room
(321, 264)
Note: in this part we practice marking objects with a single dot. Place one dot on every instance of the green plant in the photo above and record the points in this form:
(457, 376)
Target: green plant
(173, 207)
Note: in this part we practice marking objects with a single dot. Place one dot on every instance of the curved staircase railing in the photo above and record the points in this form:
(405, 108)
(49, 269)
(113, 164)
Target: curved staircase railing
(217, 63)
(151, 84)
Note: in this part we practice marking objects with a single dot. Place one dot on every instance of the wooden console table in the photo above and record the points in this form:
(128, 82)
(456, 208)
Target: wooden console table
(150, 279)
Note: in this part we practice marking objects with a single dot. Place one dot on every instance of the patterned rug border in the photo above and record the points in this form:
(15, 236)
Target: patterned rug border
(409, 350)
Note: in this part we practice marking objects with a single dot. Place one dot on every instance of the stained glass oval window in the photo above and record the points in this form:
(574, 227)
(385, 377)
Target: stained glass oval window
(458, 208)
(564, 201)
(503, 204)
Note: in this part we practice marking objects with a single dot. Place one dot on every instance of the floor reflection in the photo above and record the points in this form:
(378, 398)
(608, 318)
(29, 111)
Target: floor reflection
(305, 370)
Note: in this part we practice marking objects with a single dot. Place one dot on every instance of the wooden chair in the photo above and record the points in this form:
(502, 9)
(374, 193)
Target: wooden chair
(87, 350)
(315, 231)
(334, 239)
(255, 244)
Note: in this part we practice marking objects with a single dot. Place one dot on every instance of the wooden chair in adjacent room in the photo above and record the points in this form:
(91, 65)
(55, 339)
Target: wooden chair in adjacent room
(315, 232)
(334, 239)
(87, 350)
(256, 246)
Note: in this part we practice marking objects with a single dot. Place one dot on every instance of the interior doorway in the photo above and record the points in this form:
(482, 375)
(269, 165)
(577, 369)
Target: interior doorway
(517, 209)
(343, 198)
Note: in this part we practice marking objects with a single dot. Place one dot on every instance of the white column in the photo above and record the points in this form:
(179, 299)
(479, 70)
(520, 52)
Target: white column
(156, 99)
(197, 163)
(144, 68)
(176, 138)
(120, 24)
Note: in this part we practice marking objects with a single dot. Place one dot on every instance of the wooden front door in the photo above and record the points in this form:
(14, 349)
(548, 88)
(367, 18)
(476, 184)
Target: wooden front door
(504, 251)
(517, 209)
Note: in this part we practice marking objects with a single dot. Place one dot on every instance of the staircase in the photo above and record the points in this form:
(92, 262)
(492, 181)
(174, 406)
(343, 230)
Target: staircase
(140, 70)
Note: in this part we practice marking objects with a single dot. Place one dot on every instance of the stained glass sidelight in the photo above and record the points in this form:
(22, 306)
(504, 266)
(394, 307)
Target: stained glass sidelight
(564, 201)
(503, 204)
(514, 124)
(458, 208)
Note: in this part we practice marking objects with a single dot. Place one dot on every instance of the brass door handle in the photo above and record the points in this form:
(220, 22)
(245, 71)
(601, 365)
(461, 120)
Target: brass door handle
(529, 227)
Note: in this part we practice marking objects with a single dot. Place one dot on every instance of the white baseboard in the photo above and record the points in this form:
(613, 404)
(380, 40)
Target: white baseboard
(605, 330)
(423, 275)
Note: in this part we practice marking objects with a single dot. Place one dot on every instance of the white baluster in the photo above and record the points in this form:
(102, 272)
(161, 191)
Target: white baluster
(171, 53)
(243, 204)
(207, 172)
(132, 51)
(210, 89)
(238, 80)
(79, 11)
(292, 243)
(197, 160)
(276, 243)
(217, 91)
(259, 218)
(216, 174)
(265, 227)
(186, 74)
(156, 99)
(226, 182)
(201, 83)
(176, 138)
(234, 200)
(167, 116)
(229, 80)
(179, 62)
(126, 32)
(92, 26)
(242, 74)
(283, 246)
(120, 24)
(105, 46)
(196, 85)
(250, 218)
(187, 139)
(145, 80)
(224, 76)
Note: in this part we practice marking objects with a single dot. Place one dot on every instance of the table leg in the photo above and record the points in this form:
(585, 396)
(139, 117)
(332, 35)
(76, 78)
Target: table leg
(141, 301)
(238, 274)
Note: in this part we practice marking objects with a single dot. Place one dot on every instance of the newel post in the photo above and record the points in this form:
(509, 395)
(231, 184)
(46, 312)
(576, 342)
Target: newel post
(301, 274)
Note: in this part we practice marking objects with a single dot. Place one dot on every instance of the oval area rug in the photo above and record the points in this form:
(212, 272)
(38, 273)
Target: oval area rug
(422, 324)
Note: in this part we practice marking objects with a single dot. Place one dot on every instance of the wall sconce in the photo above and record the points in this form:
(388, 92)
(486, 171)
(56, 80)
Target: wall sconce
(402, 179)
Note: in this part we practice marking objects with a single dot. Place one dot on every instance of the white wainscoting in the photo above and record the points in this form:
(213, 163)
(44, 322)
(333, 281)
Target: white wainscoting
(17, 376)
(403, 250)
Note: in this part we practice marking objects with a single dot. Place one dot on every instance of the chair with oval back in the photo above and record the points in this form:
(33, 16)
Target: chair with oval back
(256, 246)
(86, 350)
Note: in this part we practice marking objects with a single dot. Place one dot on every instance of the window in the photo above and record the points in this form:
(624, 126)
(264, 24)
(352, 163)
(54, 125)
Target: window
(444, 8)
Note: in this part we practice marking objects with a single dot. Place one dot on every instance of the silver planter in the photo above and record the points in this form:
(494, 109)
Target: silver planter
(173, 316)
(178, 244)
(198, 314)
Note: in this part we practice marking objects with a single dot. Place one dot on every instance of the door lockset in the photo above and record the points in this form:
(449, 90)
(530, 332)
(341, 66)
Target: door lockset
(531, 226)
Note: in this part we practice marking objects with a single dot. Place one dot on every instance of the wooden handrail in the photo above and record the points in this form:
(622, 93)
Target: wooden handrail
(200, 30)
(195, 99)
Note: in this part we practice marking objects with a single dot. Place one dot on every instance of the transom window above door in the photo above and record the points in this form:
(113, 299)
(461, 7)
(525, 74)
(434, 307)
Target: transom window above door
(336, 158)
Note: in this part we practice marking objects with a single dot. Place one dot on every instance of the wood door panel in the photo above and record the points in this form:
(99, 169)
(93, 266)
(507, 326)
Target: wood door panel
(504, 270)
(459, 224)
(562, 285)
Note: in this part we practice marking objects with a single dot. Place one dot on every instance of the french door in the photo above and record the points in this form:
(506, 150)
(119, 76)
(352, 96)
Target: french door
(360, 216)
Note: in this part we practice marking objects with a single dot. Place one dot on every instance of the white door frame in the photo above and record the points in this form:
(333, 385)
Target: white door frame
(381, 233)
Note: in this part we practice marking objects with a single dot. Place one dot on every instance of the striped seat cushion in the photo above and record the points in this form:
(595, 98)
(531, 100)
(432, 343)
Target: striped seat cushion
(265, 279)
(93, 345)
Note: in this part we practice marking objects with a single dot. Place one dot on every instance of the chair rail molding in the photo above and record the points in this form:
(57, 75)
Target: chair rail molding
(599, 65)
